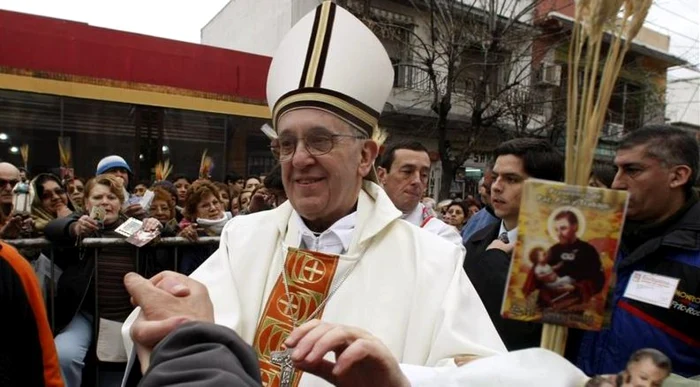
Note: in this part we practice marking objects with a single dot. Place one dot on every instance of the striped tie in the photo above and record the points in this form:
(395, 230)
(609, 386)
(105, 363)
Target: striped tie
(504, 237)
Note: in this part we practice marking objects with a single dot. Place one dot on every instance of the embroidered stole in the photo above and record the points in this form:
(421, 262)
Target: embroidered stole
(309, 276)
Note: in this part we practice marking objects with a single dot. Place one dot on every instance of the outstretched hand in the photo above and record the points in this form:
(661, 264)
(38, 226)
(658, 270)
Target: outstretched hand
(167, 300)
(360, 358)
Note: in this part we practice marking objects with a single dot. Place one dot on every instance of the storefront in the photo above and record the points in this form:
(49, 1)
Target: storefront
(143, 98)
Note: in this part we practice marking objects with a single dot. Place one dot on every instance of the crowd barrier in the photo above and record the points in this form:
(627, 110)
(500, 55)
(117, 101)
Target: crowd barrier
(45, 245)
(96, 243)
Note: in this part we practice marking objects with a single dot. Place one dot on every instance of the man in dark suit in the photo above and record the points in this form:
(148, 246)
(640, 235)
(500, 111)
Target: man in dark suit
(489, 250)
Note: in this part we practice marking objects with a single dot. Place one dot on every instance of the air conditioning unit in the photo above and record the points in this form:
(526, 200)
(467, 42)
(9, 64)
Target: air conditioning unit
(549, 75)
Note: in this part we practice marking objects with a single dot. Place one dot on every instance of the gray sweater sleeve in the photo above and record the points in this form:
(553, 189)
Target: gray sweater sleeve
(202, 355)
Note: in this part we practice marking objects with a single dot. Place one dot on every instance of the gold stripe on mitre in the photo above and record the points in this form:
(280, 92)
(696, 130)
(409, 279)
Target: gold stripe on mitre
(322, 99)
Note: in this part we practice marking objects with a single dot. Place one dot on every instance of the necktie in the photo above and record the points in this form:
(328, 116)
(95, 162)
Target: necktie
(504, 237)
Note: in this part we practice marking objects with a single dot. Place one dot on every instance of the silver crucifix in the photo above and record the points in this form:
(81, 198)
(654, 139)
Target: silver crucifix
(283, 359)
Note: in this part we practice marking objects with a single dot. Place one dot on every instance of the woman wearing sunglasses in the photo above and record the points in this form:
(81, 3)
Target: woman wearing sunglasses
(50, 201)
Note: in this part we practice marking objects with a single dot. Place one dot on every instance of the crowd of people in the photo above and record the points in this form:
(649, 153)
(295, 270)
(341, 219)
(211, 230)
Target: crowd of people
(62, 211)
(334, 268)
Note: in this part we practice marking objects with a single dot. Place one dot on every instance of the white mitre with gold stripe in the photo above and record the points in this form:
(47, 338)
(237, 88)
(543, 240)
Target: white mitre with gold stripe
(331, 61)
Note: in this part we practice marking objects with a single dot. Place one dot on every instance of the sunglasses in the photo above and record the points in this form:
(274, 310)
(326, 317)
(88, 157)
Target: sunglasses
(4, 183)
(48, 194)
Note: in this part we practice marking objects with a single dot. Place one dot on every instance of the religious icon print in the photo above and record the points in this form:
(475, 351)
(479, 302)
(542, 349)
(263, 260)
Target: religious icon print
(562, 263)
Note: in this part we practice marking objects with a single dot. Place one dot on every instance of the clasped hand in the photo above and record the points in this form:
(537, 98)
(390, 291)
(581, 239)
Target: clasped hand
(170, 299)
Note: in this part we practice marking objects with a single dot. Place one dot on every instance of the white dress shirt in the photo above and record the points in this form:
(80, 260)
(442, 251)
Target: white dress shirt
(512, 234)
(335, 240)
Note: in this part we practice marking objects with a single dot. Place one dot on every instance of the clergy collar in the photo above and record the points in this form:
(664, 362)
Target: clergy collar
(375, 212)
(512, 234)
(338, 235)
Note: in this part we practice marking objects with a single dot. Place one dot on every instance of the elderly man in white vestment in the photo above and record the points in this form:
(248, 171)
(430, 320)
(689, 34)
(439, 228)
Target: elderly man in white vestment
(337, 250)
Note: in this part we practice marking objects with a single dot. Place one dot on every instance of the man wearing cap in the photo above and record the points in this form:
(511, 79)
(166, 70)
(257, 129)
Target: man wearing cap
(336, 255)
(117, 166)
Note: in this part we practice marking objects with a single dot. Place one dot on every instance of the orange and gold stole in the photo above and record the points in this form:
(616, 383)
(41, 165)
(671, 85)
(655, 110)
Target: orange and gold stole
(309, 276)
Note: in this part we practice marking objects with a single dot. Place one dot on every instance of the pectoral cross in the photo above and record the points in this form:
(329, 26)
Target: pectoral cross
(283, 359)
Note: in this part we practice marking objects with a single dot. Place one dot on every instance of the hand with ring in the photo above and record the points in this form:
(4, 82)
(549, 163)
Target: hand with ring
(361, 359)
(189, 232)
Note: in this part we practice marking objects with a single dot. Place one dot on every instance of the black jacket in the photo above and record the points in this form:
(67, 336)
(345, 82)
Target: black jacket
(27, 351)
(488, 272)
(75, 290)
(201, 354)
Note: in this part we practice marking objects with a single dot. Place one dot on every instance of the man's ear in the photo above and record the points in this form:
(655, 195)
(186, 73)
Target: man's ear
(381, 174)
(680, 174)
(370, 149)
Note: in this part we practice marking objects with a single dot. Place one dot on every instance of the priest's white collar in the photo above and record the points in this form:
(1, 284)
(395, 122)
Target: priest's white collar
(416, 216)
(335, 240)
(512, 234)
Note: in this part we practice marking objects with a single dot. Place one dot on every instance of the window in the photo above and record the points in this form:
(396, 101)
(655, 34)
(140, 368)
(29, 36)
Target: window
(474, 65)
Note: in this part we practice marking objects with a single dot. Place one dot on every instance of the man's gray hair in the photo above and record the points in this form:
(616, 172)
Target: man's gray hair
(669, 145)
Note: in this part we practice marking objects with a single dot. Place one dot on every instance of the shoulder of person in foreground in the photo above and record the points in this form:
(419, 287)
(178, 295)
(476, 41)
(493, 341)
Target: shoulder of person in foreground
(202, 354)
(461, 325)
(429, 247)
(27, 322)
(444, 230)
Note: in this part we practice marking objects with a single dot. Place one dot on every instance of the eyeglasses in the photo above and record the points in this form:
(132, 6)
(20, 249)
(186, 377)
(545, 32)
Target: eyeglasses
(317, 144)
(4, 183)
(49, 194)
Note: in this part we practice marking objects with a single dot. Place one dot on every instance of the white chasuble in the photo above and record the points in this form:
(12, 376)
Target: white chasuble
(408, 288)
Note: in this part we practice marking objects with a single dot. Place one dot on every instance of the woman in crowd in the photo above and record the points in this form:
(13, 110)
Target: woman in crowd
(182, 184)
(252, 183)
(76, 192)
(163, 209)
(204, 216)
(244, 201)
(457, 215)
(50, 201)
(472, 206)
(75, 300)
(235, 194)
(224, 195)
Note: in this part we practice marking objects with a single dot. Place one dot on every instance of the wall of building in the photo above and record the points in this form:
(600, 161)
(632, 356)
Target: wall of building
(299, 9)
(254, 26)
(683, 101)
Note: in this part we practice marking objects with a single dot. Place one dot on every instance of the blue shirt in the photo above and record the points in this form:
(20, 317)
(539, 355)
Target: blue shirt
(477, 222)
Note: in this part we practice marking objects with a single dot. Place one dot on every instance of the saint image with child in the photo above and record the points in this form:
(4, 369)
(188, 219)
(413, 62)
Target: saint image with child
(567, 273)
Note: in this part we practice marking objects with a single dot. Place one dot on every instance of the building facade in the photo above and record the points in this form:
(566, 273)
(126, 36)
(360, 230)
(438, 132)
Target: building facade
(638, 97)
(146, 99)
(513, 89)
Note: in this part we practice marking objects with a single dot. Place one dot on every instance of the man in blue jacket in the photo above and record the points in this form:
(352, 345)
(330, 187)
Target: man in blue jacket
(658, 166)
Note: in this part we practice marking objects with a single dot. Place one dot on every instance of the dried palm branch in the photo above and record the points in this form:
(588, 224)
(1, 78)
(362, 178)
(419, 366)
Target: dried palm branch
(24, 152)
(163, 170)
(589, 96)
(64, 151)
(206, 166)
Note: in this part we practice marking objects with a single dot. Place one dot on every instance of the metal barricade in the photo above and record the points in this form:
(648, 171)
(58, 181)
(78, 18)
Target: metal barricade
(97, 243)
